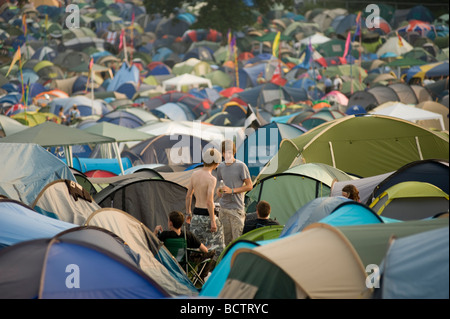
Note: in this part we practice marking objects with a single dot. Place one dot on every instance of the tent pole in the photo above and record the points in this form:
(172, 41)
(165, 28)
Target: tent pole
(116, 149)
(332, 154)
(418, 148)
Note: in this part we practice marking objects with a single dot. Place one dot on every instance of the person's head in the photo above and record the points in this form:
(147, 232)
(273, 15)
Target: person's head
(263, 209)
(61, 109)
(228, 150)
(176, 218)
(75, 106)
(211, 157)
(350, 191)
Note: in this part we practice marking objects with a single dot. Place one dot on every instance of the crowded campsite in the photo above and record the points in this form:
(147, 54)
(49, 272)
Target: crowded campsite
(303, 155)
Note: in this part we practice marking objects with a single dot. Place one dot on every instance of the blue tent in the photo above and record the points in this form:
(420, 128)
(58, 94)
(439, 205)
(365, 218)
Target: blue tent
(259, 147)
(353, 213)
(311, 212)
(416, 267)
(128, 88)
(125, 74)
(175, 111)
(27, 168)
(19, 223)
(213, 286)
(49, 269)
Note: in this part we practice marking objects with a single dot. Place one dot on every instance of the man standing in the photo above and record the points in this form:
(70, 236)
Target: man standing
(204, 223)
(237, 182)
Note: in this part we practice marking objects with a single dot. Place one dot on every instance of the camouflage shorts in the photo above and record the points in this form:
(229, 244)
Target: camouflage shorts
(201, 227)
(233, 223)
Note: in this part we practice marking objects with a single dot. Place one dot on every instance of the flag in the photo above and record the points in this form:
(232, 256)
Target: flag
(24, 24)
(277, 76)
(306, 56)
(46, 22)
(121, 38)
(276, 44)
(400, 42)
(358, 26)
(347, 45)
(91, 64)
(17, 57)
(251, 121)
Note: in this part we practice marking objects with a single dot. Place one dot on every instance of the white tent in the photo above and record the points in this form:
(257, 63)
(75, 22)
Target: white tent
(392, 45)
(317, 38)
(409, 113)
(188, 80)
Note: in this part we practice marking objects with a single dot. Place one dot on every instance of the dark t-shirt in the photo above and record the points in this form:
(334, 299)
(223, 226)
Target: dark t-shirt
(257, 223)
(192, 240)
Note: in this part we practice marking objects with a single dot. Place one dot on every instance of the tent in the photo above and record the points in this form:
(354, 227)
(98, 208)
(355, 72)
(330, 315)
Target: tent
(434, 107)
(292, 276)
(27, 169)
(393, 143)
(392, 45)
(50, 134)
(176, 149)
(131, 117)
(148, 200)
(410, 201)
(19, 222)
(10, 126)
(119, 134)
(259, 147)
(185, 80)
(34, 270)
(65, 200)
(143, 242)
(408, 113)
(416, 267)
(289, 190)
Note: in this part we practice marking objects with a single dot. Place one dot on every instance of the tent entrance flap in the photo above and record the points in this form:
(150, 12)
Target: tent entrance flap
(332, 154)
(418, 148)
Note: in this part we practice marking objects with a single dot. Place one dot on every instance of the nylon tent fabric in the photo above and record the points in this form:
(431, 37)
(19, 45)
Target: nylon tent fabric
(149, 201)
(411, 201)
(294, 277)
(311, 212)
(143, 242)
(431, 171)
(354, 213)
(9, 126)
(416, 267)
(19, 222)
(128, 117)
(383, 145)
(65, 200)
(29, 169)
(288, 191)
(372, 241)
(259, 147)
(122, 281)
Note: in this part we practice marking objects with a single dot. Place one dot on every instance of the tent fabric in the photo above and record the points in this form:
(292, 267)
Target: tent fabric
(41, 258)
(383, 144)
(410, 201)
(371, 241)
(186, 80)
(28, 168)
(149, 201)
(290, 190)
(409, 113)
(65, 200)
(19, 222)
(143, 242)
(416, 267)
(292, 275)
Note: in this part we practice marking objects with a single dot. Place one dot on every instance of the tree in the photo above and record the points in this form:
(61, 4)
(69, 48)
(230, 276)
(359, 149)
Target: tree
(220, 15)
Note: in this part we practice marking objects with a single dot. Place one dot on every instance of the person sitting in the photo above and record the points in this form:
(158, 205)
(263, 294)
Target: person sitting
(262, 218)
(350, 191)
(176, 220)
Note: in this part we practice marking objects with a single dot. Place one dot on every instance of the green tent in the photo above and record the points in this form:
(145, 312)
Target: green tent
(372, 241)
(289, 190)
(411, 201)
(363, 146)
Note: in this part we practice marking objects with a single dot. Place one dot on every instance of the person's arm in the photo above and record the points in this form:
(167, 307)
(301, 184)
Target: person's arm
(158, 229)
(248, 186)
(188, 202)
(210, 205)
(203, 248)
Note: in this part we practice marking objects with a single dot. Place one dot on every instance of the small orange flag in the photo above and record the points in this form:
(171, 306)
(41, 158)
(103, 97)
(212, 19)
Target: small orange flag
(17, 57)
